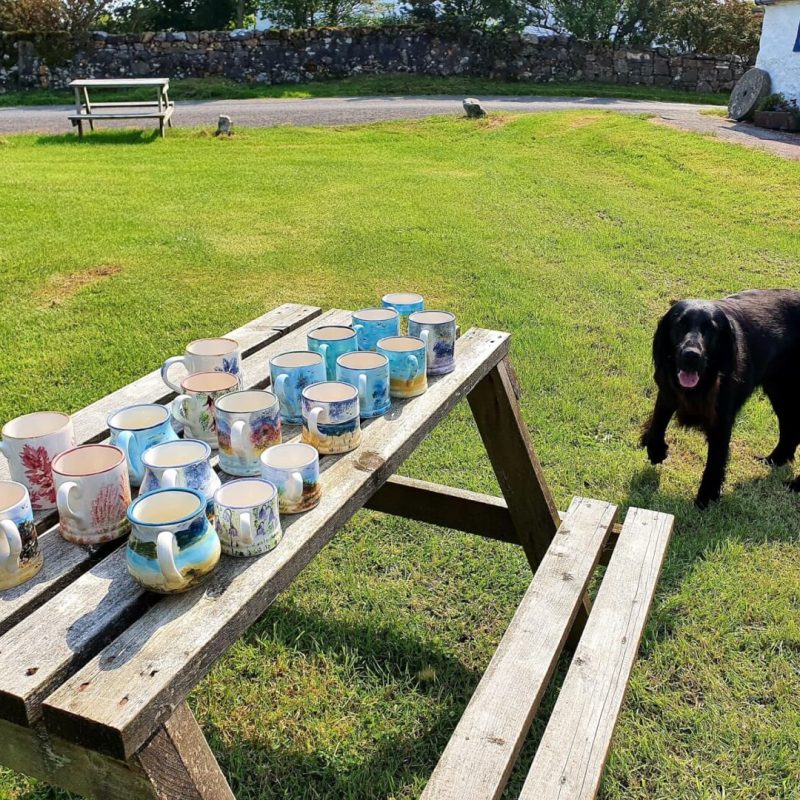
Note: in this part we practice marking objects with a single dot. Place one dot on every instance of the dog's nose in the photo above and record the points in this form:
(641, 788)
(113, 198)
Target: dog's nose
(691, 356)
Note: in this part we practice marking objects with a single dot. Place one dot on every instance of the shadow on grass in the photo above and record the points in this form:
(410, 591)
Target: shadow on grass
(98, 138)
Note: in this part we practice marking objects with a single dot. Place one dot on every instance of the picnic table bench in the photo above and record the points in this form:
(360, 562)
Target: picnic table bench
(95, 671)
(87, 110)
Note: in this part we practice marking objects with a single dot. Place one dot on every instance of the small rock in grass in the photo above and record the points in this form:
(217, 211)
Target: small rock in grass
(473, 108)
(224, 125)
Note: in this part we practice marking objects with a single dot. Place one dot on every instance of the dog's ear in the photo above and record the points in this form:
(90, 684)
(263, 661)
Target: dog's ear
(662, 341)
(725, 359)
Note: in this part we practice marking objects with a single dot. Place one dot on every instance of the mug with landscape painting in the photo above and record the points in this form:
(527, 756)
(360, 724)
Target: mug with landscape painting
(20, 557)
(294, 469)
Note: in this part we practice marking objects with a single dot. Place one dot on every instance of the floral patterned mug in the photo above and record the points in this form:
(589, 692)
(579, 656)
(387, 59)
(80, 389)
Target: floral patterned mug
(20, 557)
(30, 443)
(246, 517)
(248, 422)
(194, 408)
(206, 355)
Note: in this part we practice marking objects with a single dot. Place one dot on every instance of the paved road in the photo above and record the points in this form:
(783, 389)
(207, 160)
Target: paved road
(348, 110)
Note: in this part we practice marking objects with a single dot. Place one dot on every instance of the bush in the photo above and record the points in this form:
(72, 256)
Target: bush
(47, 16)
(779, 102)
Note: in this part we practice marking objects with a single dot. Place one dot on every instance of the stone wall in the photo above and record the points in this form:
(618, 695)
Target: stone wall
(297, 56)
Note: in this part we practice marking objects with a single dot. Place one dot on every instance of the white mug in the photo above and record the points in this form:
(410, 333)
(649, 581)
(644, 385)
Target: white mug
(206, 355)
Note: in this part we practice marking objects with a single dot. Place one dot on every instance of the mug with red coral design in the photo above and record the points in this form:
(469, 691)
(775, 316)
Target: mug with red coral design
(194, 408)
(92, 493)
(30, 443)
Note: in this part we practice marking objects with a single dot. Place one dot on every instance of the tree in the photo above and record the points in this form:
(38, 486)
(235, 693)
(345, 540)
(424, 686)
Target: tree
(51, 15)
(719, 27)
(620, 21)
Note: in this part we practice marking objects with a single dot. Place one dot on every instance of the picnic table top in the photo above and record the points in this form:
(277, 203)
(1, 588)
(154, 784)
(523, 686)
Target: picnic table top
(92, 658)
(118, 82)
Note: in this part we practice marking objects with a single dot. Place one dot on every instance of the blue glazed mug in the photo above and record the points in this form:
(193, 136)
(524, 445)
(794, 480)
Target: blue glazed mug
(438, 330)
(290, 374)
(248, 422)
(331, 421)
(373, 324)
(172, 546)
(136, 428)
(246, 517)
(369, 373)
(332, 341)
(407, 365)
(405, 303)
(20, 557)
(294, 469)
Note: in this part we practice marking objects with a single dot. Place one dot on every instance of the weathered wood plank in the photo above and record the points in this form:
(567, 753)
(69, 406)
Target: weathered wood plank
(33, 752)
(89, 611)
(118, 699)
(571, 756)
(481, 753)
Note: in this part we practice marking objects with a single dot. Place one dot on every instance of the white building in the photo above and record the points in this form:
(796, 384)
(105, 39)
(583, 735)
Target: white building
(779, 51)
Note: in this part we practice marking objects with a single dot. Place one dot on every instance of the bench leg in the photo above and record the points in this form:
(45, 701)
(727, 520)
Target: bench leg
(179, 763)
(161, 126)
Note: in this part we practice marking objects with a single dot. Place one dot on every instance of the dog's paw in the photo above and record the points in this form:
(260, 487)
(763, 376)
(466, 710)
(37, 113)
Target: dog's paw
(774, 459)
(794, 486)
(705, 498)
(656, 451)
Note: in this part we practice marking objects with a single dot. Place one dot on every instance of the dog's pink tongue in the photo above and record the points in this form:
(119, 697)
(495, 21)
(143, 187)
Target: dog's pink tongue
(688, 379)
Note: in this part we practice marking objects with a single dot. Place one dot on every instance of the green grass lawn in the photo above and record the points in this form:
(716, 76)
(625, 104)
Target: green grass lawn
(574, 231)
(392, 84)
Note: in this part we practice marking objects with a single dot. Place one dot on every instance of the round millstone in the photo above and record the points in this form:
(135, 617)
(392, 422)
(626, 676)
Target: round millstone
(749, 91)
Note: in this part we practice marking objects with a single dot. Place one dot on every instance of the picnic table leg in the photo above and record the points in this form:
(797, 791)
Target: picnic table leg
(88, 107)
(179, 762)
(78, 111)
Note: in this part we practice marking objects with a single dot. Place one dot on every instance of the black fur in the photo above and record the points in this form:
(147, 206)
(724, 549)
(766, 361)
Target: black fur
(733, 346)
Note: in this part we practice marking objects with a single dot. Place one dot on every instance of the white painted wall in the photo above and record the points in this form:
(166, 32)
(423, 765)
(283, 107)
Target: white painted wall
(775, 54)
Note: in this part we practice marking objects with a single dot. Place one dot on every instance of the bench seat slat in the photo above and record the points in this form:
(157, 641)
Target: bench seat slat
(481, 753)
(569, 761)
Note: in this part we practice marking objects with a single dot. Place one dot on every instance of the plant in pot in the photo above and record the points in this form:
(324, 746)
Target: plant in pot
(777, 113)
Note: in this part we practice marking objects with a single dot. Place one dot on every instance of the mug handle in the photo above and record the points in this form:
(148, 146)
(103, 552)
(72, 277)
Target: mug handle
(294, 487)
(323, 350)
(423, 334)
(176, 406)
(5, 450)
(13, 545)
(313, 418)
(280, 388)
(246, 528)
(169, 480)
(165, 371)
(362, 388)
(166, 545)
(413, 365)
(237, 438)
(127, 442)
(62, 502)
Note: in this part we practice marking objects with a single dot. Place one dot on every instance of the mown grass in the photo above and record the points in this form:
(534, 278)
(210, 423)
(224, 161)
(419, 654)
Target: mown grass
(574, 231)
(391, 84)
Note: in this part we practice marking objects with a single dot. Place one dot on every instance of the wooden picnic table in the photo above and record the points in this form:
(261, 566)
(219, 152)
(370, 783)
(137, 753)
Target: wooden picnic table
(95, 671)
(87, 110)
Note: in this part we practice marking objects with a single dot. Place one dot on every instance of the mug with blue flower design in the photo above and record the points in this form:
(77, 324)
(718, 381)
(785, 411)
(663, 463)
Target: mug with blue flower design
(206, 355)
(20, 557)
(135, 428)
(331, 421)
(246, 517)
(248, 422)
(405, 303)
(332, 341)
(438, 330)
(373, 324)
(290, 373)
(407, 365)
(369, 373)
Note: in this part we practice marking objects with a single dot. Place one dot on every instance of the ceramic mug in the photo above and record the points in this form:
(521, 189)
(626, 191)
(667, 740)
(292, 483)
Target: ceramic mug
(136, 428)
(405, 303)
(438, 330)
(30, 443)
(206, 355)
(294, 469)
(407, 369)
(172, 546)
(331, 341)
(93, 493)
(20, 557)
(369, 373)
(246, 517)
(183, 464)
(248, 422)
(331, 421)
(372, 324)
(194, 408)
(290, 374)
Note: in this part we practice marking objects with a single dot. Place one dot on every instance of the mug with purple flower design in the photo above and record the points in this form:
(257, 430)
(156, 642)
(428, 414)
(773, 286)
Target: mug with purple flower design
(30, 443)
(206, 355)
(246, 517)
(248, 422)
(194, 407)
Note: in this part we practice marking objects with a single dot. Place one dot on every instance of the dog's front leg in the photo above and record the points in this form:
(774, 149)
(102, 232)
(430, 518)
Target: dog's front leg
(653, 437)
(719, 443)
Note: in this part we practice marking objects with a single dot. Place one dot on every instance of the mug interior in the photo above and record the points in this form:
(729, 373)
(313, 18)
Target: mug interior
(88, 459)
(137, 418)
(11, 494)
(375, 314)
(297, 358)
(176, 454)
(332, 333)
(212, 347)
(245, 493)
(245, 402)
(431, 317)
(330, 392)
(292, 456)
(401, 344)
(209, 382)
(39, 423)
(362, 360)
(402, 298)
(165, 507)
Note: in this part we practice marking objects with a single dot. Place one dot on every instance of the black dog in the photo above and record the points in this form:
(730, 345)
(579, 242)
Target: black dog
(709, 357)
